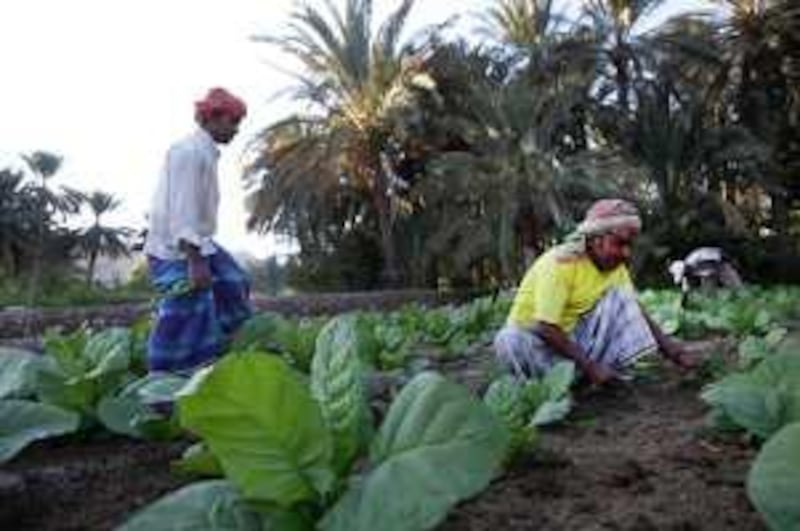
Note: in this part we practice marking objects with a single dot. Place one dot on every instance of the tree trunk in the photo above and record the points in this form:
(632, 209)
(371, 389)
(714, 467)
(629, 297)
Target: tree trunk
(780, 215)
(390, 276)
(620, 61)
(90, 268)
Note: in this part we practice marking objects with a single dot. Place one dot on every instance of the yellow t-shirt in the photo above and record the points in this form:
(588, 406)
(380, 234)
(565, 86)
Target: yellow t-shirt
(559, 292)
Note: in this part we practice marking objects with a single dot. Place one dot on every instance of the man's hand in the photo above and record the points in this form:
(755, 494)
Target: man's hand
(555, 337)
(671, 349)
(197, 264)
(199, 272)
(598, 374)
(678, 354)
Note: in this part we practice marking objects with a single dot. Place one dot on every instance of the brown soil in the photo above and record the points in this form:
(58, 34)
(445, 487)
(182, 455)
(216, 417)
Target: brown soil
(637, 458)
(87, 485)
(633, 458)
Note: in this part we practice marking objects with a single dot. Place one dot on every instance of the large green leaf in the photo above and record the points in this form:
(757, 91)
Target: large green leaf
(158, 388)
(337, 385)
(272, 332)
(745, 403)
(67, 350)
(505, 399)
(199, 461)
(76, 394)
(437, 446)
(213, 505)
(774, 480)
(87, 368)
(260, 332)
(129, 411)
(762, 400)
(551, 411)
(559, 379)
(258, 418)
(23, 422)
(108, 351)
(18, 369)
(119, 413)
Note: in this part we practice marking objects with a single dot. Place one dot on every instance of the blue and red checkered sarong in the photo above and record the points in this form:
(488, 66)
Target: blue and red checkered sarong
(192, 327)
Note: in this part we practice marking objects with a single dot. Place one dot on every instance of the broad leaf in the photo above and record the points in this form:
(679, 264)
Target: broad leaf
(76, 394)
(198, 460)
(23, 422)
(551, 411)
(774, 480)
(67, 350)
(119, 413)
(128, 412)
(271, 332)
(504, 397)
(205, 506)
(559, 379)
(18, 369)
(158, 388)
(258, 418)
(144, 407)
(108, 351)
(762, 400)
(437, 446)
(337, 385)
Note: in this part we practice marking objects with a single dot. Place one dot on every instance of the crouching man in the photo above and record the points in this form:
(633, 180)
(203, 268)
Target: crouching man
(577, 301)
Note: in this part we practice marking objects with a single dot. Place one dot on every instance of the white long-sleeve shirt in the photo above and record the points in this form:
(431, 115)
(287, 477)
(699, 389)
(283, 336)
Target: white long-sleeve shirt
(186, 199)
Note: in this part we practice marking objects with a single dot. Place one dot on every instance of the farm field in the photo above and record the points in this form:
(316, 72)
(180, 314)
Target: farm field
(630, 460)
(640, 455)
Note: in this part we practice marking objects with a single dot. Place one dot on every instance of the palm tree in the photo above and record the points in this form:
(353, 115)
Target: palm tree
(521, 23)
(47, 207)
(552, 52)
(351, 80)
(99, 239)
(18, 221)
(745, 60)
(492, 138)
(686, 156)
(619, 50)
(43, 166)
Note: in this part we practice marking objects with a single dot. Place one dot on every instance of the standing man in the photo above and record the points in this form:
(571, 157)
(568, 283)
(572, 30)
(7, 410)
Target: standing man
(577, 302)
(205, 295)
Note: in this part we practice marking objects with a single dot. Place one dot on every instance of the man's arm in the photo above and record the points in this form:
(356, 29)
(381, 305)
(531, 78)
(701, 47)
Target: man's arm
(671, 349)
(555, 337)
(199, 272)
(185, 174)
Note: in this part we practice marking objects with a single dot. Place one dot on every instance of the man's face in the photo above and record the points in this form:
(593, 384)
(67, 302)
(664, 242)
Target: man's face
(611, 250)
(222, 127)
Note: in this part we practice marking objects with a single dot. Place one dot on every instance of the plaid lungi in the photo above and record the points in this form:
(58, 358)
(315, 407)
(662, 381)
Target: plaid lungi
(192, 327)
(614, 333)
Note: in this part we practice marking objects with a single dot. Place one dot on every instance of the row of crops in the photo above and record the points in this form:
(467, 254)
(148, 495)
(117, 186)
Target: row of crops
(286, 433)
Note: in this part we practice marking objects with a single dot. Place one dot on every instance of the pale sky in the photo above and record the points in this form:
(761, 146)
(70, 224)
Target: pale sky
(109, 84)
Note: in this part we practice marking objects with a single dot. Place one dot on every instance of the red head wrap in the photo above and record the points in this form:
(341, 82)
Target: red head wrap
(608, 215)
(220, 101)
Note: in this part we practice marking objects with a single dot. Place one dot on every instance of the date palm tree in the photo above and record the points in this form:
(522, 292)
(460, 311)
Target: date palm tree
(99, 239)
(18, 221)
(621, 53)
(351, 79)
(747, 61)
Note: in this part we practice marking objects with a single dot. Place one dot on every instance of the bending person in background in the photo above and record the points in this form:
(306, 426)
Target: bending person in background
(205, 295)
(577, 302)
(705, 269)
